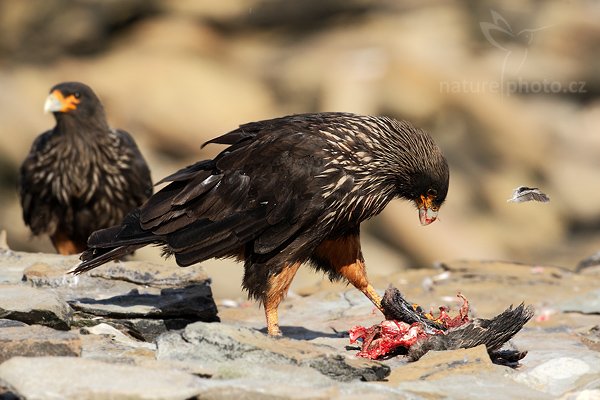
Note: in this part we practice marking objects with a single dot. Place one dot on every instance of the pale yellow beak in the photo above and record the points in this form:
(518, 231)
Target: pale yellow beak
(56, 102)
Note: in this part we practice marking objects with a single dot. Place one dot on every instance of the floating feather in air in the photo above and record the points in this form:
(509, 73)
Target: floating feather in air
(524, 193)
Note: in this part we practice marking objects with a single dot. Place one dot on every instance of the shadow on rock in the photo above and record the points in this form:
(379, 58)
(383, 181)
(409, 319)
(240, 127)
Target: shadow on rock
(301, 333)
(194, 302)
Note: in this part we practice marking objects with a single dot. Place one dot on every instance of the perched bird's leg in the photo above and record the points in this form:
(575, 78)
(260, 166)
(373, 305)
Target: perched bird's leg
(278, 286)
(343, 255)
(373, 296)
(356, 274)
(64, 245)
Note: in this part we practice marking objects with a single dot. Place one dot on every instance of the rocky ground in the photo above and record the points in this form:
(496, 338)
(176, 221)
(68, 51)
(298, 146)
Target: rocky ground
(135, 330)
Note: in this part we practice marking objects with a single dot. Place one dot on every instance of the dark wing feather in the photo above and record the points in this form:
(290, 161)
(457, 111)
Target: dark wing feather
(197, 187)
(34, 193)
(189, 172)
(137, 174)
(248, 131)
(203, 239)
(263, 184)
(155, 209)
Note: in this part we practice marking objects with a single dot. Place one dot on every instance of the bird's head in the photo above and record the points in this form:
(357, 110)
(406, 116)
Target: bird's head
(420, 169)
(72, 98)
(429, 193)
(409, 162)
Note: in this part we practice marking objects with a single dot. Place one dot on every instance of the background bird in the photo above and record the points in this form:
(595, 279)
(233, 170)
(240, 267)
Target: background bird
(524, 193)
(82, 175)
(286, 191)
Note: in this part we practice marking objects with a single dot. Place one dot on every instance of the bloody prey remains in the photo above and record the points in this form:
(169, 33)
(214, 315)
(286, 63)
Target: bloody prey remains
(408, 330)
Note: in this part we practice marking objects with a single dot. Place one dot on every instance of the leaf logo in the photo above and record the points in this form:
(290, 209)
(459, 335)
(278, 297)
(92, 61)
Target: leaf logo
(500, 28)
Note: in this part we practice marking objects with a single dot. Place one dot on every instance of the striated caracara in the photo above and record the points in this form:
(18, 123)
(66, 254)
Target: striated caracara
(286, 191)
(82, 175)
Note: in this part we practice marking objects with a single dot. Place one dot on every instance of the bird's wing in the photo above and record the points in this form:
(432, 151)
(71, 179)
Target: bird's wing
(537, 195)
(137, 173)
(261, 190)
(35, 179)
(493, 332)
(251, 130)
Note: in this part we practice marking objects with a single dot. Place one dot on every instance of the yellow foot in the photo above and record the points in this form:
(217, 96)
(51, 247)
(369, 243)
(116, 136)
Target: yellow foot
(274, 331)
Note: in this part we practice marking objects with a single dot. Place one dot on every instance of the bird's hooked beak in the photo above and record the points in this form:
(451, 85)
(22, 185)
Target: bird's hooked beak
(56, 102)
(427, 211)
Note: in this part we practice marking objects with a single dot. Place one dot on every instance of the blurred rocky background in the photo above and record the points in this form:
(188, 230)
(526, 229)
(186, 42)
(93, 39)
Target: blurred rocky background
(510, 90)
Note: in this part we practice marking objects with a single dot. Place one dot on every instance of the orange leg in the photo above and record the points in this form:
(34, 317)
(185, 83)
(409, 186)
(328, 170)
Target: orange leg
(345, 257)
(277, 289)
(64, 245)
(356, 274)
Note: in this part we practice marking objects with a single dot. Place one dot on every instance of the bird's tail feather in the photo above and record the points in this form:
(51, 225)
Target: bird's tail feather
(114, 243)
(93, 258)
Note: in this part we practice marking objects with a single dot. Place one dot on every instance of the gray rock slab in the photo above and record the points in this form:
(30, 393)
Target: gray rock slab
(82, 379)
(557, 363)
(194, 302)
(35, 341)
(117, 336)
(141, 298)
(13, 263)
(562, 374)
(46, 271)
(147, 329)
(587, 303)
(291, 389)
(8, 323)
(454, 374)
(50, 272)
(590, 337)
(472, 386)
(211, 344)
(34, 306)
(103, 347)
(144, 273)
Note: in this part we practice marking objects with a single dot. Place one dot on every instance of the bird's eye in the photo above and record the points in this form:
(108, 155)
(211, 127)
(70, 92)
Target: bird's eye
(77, 95)
(432, 192)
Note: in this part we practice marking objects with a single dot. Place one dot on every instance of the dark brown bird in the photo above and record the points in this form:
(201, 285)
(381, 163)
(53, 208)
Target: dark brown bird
(286, 191)
(82, 175)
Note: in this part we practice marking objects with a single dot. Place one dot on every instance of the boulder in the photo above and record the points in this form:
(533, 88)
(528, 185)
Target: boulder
(211, 344)
(34, 306)
(36, 341)
(83, 379)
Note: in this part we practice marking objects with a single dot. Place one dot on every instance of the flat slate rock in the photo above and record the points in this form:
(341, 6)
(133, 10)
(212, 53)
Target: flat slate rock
(13, 263)
(560, 375)
(193, 302)
(9, 323)
(211, 344)
(34, 306)
(35, 340)
(144, 273)
(587, 303)
(50, 273)
(147, 329)
(83, 379)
